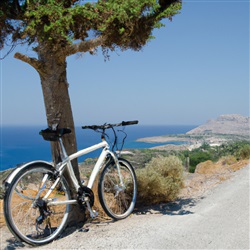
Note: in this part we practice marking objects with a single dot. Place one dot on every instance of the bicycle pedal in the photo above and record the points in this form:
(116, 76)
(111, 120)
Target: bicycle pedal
(95, 213)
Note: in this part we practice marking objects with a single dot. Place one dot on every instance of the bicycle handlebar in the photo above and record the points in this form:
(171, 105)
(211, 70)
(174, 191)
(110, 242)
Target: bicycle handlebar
(107, 126)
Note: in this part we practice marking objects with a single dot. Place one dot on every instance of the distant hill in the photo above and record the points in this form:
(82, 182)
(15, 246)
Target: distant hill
(224, 124)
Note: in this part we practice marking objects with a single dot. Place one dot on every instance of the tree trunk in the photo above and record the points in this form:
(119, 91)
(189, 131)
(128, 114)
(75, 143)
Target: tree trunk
(58, 111)
(51, 67)
(57, 102)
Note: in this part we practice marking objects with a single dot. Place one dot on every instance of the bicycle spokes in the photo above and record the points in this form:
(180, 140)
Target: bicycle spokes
(31, 217)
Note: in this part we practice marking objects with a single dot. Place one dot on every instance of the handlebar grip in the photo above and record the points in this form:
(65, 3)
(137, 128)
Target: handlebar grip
(90, 127)
(129, 123)
(107, 126)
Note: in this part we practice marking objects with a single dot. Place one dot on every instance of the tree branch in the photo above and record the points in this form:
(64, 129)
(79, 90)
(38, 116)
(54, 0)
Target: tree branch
(85, 46)
(166, 3)
(31, 61)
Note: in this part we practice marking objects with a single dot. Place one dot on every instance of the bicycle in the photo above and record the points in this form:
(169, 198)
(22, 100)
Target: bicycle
(38, 199)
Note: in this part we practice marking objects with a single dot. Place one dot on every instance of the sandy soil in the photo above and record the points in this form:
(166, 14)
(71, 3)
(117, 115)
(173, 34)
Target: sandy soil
(207, 176)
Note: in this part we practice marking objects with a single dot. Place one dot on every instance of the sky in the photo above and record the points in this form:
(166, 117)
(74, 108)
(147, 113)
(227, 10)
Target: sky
(196, 69)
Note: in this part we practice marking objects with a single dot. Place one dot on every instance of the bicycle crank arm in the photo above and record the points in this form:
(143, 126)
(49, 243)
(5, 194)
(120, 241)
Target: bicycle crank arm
(55, 203)
(92, 212)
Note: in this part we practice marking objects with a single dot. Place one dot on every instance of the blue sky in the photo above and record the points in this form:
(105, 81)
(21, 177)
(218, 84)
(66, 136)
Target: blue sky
(197, 68)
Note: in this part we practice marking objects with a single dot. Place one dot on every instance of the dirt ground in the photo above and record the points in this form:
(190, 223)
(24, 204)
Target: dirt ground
(207, 176)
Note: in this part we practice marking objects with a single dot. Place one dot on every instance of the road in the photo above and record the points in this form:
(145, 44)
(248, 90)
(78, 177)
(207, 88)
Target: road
(219, 220)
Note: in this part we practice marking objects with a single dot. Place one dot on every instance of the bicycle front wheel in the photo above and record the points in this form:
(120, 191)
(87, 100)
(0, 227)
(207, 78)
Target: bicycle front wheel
(117, 189)
(28, 215)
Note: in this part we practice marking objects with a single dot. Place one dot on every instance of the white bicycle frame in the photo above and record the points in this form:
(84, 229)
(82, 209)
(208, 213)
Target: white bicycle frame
(66, 163)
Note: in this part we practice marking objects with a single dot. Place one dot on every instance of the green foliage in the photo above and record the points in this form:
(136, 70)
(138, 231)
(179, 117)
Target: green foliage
(244, 152)
(233, 150)
(196, 157)
(205, 146)
(140, 157)
(160, 181)
(239, 149)
(59, 23)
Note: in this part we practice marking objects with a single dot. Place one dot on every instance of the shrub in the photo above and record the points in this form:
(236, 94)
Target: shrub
(239, 149)
(160, 181)
(244, 152)
(228, 160)
(205, 167)
(197, 157)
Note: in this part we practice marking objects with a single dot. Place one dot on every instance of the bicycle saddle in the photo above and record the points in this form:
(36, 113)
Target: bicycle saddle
(53, 135)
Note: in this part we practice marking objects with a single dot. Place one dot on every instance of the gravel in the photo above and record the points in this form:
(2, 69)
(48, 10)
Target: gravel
(217, 220)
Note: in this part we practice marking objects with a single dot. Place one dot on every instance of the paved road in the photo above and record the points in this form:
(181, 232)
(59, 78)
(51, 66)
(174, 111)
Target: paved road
(218, 221)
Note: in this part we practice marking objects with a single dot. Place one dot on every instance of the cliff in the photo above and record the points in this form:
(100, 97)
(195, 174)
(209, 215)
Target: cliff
(224, 124)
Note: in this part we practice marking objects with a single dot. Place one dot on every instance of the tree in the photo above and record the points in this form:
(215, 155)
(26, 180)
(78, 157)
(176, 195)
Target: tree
(57, 29)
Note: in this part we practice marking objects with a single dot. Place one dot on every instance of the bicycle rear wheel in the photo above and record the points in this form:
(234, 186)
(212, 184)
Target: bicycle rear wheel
(29, 216)
(118, 198)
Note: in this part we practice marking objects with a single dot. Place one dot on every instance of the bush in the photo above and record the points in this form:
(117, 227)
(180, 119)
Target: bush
(239, 149)
(244, 152)
(197, 157)
(160, 181)
(228, 160)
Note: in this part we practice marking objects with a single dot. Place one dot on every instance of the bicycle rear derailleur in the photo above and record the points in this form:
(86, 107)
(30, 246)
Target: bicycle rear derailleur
(44, 215)
(86, 199)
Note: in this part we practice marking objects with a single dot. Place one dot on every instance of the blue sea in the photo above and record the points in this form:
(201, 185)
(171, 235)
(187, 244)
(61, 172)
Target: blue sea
(24, 144)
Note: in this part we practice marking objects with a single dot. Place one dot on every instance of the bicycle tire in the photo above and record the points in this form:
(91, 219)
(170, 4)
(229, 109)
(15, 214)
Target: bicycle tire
(23, 216)
(118, 202)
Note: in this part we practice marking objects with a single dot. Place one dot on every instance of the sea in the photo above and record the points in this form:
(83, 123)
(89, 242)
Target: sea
(20, 144)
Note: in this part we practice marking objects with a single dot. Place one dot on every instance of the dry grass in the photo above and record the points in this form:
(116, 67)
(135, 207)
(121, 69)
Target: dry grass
(160, 181)
(97, 205)
(22, 205)
(208, 175)
(2, 220)
(223, 166)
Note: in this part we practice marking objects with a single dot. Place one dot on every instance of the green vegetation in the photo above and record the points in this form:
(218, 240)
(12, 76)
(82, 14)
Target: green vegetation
(160, 172)
(196, 157)
(238, 149)
(57, 29)
(140, 157)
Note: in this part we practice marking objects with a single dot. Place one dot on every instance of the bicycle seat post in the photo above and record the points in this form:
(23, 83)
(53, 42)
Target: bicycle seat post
(63, 152)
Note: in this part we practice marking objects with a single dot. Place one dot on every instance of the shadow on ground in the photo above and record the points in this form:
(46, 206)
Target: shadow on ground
(177, 207)
(13, 243)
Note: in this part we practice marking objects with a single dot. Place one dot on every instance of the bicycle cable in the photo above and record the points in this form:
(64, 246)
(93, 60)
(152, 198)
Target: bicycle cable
(124, 138)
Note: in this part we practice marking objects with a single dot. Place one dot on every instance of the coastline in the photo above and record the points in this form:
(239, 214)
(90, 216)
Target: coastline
(190, 142)
(224, 129)
(164, 138)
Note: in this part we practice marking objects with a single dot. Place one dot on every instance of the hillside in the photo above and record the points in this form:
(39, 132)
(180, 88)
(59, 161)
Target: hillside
(214, 132)
(224, 124)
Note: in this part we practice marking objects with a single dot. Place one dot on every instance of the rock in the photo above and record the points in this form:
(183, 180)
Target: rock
(225, 124)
